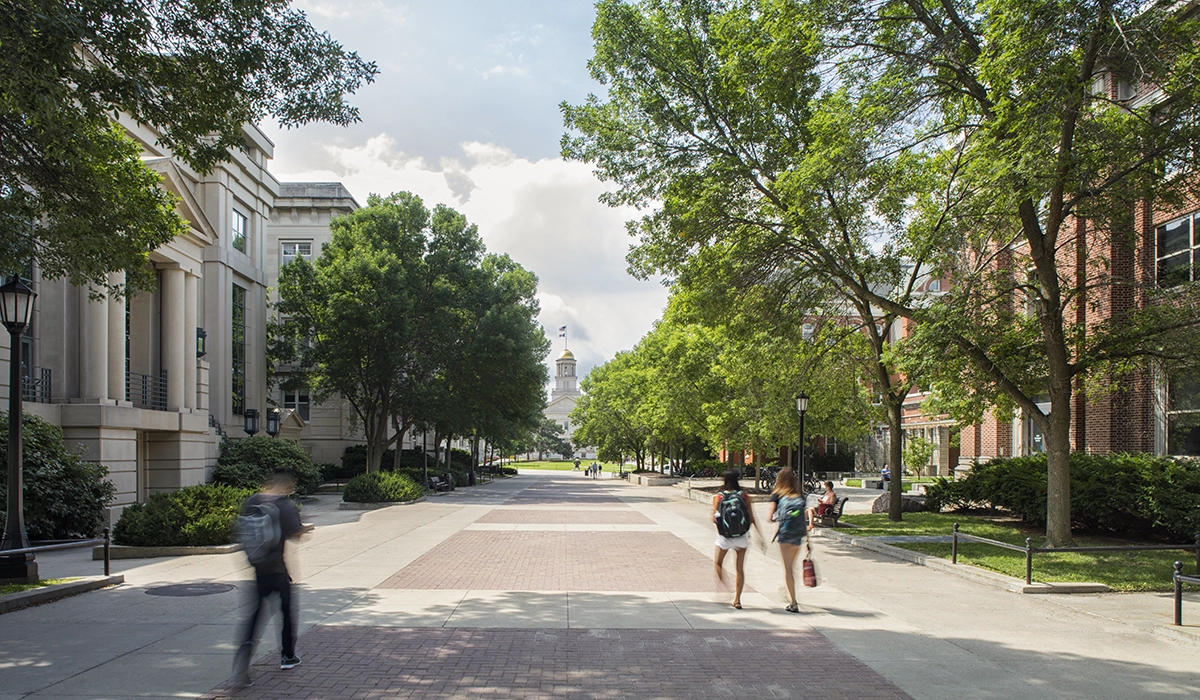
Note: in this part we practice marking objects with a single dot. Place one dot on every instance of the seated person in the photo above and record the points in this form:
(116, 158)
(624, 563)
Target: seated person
(886, 473)
(824, 506)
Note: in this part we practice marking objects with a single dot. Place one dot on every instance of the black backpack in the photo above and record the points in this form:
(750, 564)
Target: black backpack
(732, 519)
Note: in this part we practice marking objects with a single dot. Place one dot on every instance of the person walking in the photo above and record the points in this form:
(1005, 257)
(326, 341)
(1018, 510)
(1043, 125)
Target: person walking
(787, 508)
(269, 519)
(734, 517)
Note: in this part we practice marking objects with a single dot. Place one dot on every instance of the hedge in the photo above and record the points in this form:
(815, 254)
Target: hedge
(65, 496)
(1116, 492)
(249, 462)
(193, 516)
(381, 487)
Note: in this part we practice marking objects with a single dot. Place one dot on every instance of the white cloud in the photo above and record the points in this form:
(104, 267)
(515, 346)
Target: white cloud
(376, 10)
(544, 213)
(499, 70)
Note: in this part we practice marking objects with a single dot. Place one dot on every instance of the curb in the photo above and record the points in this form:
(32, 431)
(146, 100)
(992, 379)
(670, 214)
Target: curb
(374, 506)
(1188, 634)
(118, 551)
(971, 573)
(46, 594)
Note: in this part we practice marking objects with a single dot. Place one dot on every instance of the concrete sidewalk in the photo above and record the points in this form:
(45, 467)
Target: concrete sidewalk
(555, 585)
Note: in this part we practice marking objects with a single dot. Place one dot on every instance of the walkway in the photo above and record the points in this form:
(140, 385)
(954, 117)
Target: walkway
(553, 585)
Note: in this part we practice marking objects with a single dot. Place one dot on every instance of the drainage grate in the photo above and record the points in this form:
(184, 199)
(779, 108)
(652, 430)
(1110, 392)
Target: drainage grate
(188, 590)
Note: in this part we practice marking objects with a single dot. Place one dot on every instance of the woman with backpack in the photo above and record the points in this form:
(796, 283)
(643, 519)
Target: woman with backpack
(787, 508)
(733, 515)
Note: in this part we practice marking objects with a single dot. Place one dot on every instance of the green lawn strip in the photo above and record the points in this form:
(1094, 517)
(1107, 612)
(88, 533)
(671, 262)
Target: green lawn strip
(555, 466)
(1121, 571)
(10, 588)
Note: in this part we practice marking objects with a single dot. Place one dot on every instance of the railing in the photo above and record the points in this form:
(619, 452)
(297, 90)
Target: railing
(105, 540)
(1030, 550)
(1180, 579)
(147, 391)
(36, 386)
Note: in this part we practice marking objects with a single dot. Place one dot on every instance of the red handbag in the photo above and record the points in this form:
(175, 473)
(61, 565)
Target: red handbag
(810, 570)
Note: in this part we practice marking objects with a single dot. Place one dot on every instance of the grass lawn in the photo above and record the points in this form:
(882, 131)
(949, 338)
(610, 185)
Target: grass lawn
(559, 466)
(1121, 571)
(10, 588)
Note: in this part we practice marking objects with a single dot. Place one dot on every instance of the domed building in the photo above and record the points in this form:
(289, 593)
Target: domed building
(563, 398)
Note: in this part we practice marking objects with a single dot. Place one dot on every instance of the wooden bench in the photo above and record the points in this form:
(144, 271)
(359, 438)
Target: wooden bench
(830, 519)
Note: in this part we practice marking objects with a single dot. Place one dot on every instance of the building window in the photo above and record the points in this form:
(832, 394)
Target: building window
(290, 250)
(238, 364)
(299, 401)
(806, 331)
(1178, 250)
(240, 228)
(1183, 414)
(935, 285)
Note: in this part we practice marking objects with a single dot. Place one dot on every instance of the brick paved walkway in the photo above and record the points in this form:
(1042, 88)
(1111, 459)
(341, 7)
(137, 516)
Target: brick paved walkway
(598, 516)
(373, 662)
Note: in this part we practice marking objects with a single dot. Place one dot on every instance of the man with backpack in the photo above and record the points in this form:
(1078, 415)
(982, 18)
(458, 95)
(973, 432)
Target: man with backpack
(269, 519)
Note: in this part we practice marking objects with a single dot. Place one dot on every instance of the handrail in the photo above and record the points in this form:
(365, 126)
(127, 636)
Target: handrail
(1030, 550)
(106, 540)
(1179, 580)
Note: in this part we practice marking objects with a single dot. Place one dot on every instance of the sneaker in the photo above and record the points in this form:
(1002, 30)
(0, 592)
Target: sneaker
(289, 662)
(243, 681)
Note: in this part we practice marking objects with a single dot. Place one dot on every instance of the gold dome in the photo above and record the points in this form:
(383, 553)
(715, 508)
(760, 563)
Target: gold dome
(566, 355)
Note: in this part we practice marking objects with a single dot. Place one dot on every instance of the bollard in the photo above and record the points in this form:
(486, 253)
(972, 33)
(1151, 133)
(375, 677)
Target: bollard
(1028, 561)
(1178, 594)
(107, 541)
(1198, 553)
(954, 546)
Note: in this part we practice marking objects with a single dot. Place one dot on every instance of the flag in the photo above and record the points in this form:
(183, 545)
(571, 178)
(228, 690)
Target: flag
(562, 331)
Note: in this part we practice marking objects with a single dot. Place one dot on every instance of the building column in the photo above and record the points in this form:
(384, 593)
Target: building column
(116, 338)
(191, 287)
(93, 347)
(173, 345)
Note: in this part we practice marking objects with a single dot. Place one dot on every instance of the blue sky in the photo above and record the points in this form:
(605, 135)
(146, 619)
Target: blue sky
(465, 112)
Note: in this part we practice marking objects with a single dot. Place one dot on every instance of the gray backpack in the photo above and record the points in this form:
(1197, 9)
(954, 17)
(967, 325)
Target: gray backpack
(259, 531)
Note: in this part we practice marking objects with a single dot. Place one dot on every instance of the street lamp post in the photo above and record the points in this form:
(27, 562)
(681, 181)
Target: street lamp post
(425, 453)
(801, 408)
(273, 422)
(16, 304)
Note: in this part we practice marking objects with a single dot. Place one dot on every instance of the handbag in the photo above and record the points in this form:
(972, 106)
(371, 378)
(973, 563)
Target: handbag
(810, 570)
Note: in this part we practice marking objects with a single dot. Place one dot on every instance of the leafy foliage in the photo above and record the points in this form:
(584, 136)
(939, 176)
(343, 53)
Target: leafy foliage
(194, 516)
(195, 72)
(247, 463)
(65, 497)
(1118, 492)
(381, 487)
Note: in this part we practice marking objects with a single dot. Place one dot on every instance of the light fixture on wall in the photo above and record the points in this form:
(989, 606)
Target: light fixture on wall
(201, 336)
(273, 422)
(250, 421)
(16, 306)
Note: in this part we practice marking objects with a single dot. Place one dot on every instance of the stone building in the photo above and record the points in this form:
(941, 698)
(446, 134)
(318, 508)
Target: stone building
(564, 397)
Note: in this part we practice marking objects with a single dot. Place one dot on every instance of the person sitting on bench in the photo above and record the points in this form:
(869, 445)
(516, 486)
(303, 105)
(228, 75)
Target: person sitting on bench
(824, 505)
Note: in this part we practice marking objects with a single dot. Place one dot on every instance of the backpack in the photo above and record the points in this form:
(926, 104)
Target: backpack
(732, 520)
(259, 531)
(790, 515)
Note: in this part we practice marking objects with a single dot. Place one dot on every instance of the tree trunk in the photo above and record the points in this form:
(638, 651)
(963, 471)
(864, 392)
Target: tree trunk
(1058, 470)
(895, 406)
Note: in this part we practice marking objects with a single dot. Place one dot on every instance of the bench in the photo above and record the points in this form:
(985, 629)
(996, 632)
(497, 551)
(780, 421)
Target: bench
(437, 485)
(830, 519)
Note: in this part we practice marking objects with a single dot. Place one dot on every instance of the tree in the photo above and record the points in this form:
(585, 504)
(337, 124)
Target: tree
(195, 72)
(611, 413)
(917, 454)
(548, 439)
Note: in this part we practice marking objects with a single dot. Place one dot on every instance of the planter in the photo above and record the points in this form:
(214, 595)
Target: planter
(374, 506)
(118, 551)
(45, 594)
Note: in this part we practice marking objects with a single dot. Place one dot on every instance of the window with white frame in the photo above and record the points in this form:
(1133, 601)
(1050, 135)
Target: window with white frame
(1177, 250)
(238, 231)
(298, 400)
(290, 250)
(1183, 414)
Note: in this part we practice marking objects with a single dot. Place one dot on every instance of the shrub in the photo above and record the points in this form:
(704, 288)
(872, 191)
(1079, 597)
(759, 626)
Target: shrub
(194, 516)
(1117, 492)
(65, 496)
(381, 487)
(354, 461)
(247, 463)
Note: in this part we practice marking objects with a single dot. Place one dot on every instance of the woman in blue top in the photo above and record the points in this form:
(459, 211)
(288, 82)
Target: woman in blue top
(787, 507)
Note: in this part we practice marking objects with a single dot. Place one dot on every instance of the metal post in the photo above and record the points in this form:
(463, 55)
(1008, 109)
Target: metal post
(1198, 553)
(1178, 594)
(800, 461)
(107, 560)
(954, 546)
(17, 567)
(425, 454)
(1028, 560)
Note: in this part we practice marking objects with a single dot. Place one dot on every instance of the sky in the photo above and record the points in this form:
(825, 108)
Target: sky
(465, 112)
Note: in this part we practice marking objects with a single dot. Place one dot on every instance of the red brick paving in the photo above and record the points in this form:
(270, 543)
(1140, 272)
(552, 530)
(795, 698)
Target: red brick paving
(565, 491)
(505, 560)
(607, 516)
(373, 662)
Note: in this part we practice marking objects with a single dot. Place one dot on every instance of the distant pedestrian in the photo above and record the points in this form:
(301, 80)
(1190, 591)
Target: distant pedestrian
(734, 517)
(576, 465)
(268, 521)
(787, 508)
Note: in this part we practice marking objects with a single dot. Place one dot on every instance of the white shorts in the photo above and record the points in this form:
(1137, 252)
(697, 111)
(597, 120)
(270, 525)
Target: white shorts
(724, 542)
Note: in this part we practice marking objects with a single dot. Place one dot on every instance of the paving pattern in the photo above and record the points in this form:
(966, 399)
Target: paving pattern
(595, 516)
(373, 662)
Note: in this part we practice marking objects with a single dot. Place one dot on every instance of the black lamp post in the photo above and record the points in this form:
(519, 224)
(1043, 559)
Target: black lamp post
(16, 305)
(273, 422)
(250, 421)
(425, 454)
(801, 408)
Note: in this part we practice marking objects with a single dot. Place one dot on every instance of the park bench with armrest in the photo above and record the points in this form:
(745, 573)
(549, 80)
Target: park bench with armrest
(830, 519)
(437, 485)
